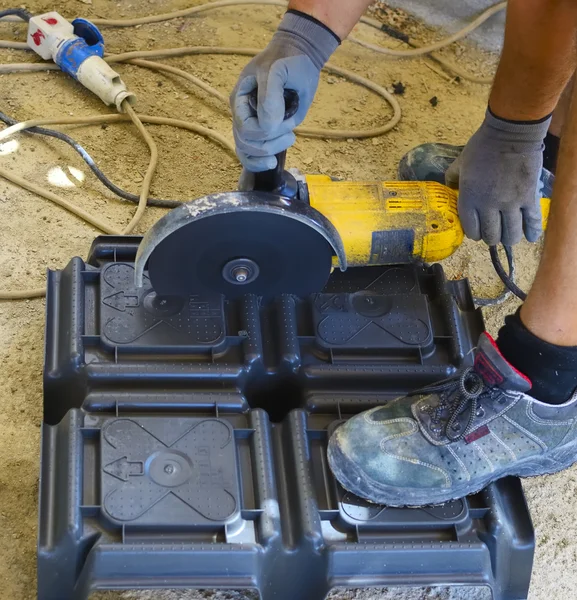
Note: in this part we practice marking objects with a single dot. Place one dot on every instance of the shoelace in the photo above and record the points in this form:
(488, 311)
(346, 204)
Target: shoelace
(457, 394)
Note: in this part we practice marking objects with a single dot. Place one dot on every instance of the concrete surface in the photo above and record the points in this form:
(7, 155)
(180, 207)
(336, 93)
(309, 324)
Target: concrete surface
(452, 15)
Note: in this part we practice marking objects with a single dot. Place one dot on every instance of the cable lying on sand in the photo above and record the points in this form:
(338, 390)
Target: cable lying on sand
(413, 52)
(91, 164)
(140, 58)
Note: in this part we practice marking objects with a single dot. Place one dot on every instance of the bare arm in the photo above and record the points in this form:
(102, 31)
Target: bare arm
(338, 15)
(538, 58)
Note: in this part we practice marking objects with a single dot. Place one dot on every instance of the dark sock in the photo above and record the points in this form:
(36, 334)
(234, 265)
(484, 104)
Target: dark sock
(550, 152)
(552, 369)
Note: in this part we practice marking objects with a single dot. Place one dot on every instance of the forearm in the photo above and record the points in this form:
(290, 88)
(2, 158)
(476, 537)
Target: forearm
(538, 58)
(338, 15)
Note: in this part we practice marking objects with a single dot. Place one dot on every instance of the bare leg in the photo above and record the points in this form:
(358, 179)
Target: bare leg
(550, 311)
(562, 110)
(552, 139)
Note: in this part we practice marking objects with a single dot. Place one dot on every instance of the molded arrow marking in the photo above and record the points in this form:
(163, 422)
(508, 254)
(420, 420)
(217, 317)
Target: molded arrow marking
(120, 301)
(123, 469)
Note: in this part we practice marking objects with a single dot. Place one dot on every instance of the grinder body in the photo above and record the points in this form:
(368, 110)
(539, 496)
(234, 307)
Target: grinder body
(391, 222)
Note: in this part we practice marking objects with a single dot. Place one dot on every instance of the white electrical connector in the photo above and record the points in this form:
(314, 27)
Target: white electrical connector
(78, 49)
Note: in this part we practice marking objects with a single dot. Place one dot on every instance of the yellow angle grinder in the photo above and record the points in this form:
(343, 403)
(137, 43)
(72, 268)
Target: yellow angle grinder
(284, 233)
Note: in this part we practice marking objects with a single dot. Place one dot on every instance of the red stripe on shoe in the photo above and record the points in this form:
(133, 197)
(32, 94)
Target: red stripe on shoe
(477, 434)
(494, 344)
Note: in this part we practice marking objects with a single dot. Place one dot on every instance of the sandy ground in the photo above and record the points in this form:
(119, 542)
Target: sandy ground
(36, 235)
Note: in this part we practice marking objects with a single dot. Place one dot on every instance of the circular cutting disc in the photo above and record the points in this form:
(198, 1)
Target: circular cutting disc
(241, 252)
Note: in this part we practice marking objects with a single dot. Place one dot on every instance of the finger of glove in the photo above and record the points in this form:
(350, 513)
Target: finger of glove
(302, 76)
(245, 121)
(263, 148)
(251, 131)
(239, 100)
(511, 227)
(271, 105)
(256, 164)
(533, 221)
(490, 221)
(469, 217)
(452, 174)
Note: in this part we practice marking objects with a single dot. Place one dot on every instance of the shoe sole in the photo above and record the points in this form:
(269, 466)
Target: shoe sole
(356, 482)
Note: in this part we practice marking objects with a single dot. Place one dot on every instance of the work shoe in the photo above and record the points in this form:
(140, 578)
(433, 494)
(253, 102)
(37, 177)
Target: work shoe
(454, 438)
(429, 162)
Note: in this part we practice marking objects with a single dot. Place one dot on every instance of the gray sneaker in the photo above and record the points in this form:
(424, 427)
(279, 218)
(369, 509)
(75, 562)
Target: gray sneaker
(454, 438)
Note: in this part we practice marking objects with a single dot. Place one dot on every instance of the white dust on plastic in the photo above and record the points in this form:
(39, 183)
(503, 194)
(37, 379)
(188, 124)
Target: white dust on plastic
(208, 203)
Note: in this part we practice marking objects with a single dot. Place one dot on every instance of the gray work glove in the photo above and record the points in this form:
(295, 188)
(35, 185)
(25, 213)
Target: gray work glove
(498, 177)
(293, 60)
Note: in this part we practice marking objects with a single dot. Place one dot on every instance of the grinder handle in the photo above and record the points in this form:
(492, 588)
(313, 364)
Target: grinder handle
(273, 180)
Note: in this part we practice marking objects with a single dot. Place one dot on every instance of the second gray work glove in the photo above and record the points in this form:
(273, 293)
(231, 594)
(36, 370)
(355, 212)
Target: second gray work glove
(292, 60)
(498, 177)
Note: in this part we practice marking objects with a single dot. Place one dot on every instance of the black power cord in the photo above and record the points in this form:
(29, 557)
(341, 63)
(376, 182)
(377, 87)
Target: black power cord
(16, 12)
(90, 162)
(507, 278)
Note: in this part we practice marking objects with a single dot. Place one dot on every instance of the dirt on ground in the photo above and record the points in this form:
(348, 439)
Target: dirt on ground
(37, 235)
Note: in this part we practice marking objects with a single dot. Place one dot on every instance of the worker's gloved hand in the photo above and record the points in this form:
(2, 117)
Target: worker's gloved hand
(293, 60)
(498, 177)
